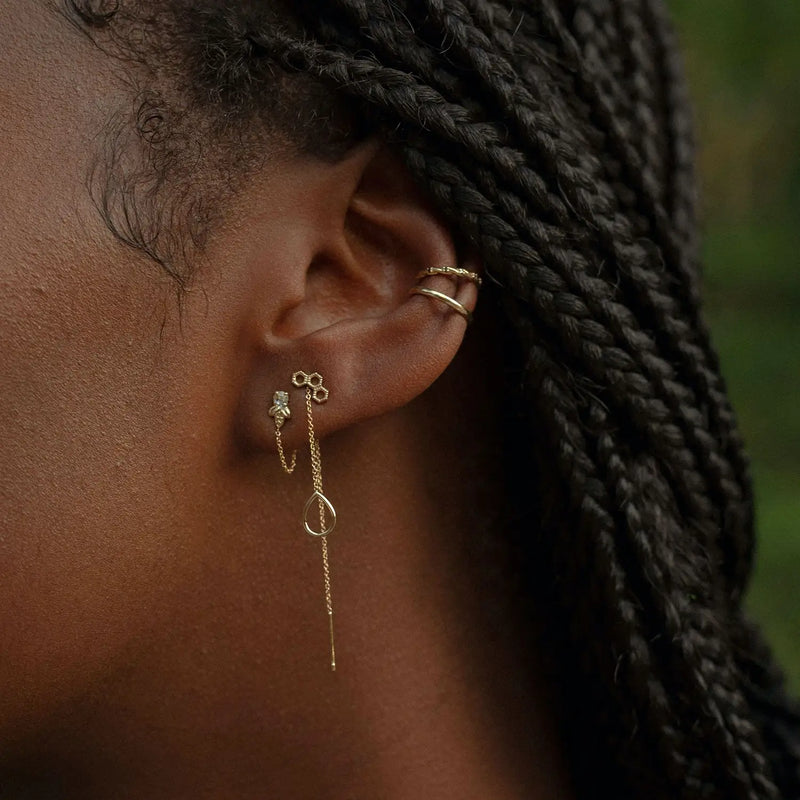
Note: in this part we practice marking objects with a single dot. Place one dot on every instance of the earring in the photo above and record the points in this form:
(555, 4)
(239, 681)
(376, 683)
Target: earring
(316, 391)
(280, 412)
(456, 273)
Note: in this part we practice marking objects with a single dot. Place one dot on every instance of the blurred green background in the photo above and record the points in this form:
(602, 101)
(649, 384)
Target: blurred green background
(743, 64)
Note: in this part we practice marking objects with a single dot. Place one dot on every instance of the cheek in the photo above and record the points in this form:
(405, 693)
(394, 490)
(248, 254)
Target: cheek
(92, 460)
(101, 477)
(94, 447)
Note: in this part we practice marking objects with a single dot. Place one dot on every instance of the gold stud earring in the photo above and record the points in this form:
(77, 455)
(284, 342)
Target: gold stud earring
(317, 392)
(280, 412)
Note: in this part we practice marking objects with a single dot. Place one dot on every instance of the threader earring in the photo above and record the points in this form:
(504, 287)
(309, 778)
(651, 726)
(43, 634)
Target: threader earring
(280, 412)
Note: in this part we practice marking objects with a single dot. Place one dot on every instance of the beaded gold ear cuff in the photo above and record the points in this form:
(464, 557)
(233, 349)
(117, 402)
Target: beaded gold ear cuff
(317, 392)
(456, 273)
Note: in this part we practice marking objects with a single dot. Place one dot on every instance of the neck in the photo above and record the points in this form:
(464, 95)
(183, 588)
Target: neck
(233, 697)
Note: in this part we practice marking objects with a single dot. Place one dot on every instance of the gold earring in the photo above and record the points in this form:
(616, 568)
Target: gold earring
(280, 412)
(316, 391)
(457, 273)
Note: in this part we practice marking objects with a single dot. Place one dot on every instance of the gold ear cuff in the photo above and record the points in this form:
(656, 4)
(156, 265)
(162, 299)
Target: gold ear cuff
(454, 272)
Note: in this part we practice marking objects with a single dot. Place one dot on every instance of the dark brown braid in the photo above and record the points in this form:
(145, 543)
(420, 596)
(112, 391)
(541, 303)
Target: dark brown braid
(556, 137)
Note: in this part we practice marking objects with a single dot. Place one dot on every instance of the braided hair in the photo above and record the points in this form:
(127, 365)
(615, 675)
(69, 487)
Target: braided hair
(555, 137)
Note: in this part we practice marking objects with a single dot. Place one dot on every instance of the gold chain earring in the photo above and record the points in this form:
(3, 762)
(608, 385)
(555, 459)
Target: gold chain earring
(280, 412)
(318, 393)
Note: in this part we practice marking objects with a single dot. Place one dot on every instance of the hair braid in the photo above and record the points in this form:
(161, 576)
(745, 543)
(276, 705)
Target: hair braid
(626, 651)
(697, 356)
(514, 101)
(777, 715)
(676, 569)
(681, 192)
(682, 196)
(647, 126)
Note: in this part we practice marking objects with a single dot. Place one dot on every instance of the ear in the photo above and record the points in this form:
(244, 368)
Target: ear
(331, 287)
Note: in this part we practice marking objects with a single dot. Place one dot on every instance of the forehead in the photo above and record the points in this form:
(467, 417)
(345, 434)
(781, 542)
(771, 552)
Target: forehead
(56, 92)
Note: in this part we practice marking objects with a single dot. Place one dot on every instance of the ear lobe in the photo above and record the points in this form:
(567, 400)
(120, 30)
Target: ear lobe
(376, 345)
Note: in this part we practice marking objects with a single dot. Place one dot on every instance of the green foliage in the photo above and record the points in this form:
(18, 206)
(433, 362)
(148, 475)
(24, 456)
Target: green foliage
(743, 62)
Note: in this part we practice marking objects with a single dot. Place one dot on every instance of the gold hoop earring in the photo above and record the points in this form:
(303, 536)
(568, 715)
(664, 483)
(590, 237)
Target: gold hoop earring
(450, 301)
(317, 392)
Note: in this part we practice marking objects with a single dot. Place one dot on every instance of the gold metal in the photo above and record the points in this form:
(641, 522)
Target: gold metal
(452, 302)
(280, 412)
(316, 391)
(457, 272)
(313, 382)
(320, 498)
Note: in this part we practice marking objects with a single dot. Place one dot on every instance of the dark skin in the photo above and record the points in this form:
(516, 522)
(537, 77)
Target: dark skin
(161, 610)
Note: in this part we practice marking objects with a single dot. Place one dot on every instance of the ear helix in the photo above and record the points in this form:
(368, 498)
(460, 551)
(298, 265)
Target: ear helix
(317, 392)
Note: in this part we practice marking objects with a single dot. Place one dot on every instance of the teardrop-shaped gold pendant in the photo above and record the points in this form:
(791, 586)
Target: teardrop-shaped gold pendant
(318, 497)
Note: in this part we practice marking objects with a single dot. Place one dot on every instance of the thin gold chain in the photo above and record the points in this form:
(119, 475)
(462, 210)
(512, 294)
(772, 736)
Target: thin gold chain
(328, 601)
(316, 479)
(316, 464)
(286, 468)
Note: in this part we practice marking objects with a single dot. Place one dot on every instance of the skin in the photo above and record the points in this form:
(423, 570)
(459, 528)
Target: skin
(161, 611)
